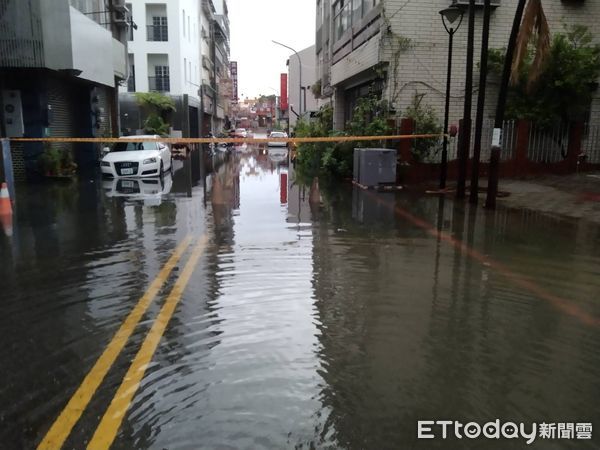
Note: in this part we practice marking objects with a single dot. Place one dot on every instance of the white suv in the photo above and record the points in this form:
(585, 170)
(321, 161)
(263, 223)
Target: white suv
(132, 158)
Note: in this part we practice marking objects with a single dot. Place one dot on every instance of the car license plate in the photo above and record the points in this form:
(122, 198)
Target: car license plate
(126, 171)
(127, 183)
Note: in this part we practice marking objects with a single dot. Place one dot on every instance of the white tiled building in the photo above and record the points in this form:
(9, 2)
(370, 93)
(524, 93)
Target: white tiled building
(164, 54)
(173, 51)
(357, 44)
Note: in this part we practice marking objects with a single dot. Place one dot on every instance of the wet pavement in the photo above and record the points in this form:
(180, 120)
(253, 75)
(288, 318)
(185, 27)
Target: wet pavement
(337, 323)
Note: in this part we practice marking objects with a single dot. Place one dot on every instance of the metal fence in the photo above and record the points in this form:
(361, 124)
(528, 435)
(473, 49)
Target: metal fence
(509, 134)
(548, 144)
(159, 84)
(590, 144)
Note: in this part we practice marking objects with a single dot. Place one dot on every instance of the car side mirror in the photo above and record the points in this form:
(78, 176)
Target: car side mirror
(105, 151)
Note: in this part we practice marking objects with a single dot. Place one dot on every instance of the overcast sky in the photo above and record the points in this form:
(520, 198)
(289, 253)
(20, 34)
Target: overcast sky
(254, 23)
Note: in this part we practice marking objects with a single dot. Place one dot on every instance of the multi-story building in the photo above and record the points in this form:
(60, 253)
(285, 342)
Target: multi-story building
(179, 48)
(222, 69)
(60, 65)
(164, 56)
(302, 100)
(398, 49)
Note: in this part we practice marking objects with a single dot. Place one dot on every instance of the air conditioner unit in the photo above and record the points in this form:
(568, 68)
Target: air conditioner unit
(478, 3)
(121, 14)
(13, 113)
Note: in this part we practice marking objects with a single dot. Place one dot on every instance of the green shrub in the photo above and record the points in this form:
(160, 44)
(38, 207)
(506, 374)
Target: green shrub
(158, 108)
(330, 159)
(566, 84)
(54, 161)
(426, 122)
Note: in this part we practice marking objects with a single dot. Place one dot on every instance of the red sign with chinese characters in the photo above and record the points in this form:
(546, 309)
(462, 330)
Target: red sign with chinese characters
(234, 80)
(284, 92)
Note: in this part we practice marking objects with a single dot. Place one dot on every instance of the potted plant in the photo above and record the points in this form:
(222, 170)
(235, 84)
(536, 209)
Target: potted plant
(57, 163)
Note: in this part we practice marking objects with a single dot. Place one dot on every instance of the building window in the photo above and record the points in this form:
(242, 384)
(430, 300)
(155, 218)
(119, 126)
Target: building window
(160, 81)
(159, 30)
(342, 17)
(357, 11)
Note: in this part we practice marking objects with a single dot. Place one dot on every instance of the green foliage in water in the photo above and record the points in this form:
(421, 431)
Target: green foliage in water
(54, 161)
(329, 159)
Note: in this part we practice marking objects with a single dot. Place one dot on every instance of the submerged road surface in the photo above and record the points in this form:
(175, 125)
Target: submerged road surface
(223, 309)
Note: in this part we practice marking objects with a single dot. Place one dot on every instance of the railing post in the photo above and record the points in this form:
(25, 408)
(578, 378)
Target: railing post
(575, 142)
(521, 147)
(407, 126)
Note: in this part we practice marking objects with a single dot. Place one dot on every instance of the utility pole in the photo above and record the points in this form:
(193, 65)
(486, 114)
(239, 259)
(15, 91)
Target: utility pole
(465, 132)
(492, 190)
(487, 10)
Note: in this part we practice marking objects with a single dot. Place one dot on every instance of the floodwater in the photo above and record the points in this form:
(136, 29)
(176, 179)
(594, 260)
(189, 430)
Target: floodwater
(332, 323)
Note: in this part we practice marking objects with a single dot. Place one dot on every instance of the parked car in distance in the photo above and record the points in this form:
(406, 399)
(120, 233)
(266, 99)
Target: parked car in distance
(277, 134)
(240, 133)
(132, 158)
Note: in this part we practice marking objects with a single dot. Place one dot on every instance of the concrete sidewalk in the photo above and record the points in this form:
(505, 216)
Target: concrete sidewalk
(576, 196)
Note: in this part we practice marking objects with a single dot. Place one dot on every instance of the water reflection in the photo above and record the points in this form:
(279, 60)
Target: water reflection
(321, 317)
(402, 340)
(150, 190)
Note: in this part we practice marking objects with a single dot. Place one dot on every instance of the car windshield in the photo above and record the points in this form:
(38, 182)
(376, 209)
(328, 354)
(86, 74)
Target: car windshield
(240, 130)
(278, 134)
(134, 146)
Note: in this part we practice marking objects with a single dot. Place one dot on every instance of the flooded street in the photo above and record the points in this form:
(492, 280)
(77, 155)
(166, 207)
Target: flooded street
(336, 323)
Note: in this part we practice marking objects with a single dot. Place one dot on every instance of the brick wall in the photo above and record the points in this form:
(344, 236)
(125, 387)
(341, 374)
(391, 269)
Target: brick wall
(18, 160)
(422, 68)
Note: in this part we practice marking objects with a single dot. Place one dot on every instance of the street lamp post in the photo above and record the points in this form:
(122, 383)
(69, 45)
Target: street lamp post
(300, 75)
(450, 15)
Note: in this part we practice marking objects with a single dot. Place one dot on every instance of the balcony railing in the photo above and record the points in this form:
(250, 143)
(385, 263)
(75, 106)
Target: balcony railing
(158, 33)
(159, 84)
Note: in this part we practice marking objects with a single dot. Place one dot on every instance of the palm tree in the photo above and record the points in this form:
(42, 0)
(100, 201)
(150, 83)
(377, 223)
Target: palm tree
(529, 20)
(533, 25)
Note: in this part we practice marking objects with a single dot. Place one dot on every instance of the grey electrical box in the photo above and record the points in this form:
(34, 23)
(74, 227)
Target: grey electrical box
(374, 166)
(13, 113)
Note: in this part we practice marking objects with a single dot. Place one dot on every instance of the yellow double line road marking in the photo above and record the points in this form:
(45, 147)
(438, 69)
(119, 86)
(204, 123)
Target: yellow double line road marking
(72, 412)
(111, 422)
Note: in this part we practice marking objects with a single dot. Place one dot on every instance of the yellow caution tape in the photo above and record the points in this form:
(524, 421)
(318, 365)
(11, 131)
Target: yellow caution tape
(299, 140)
